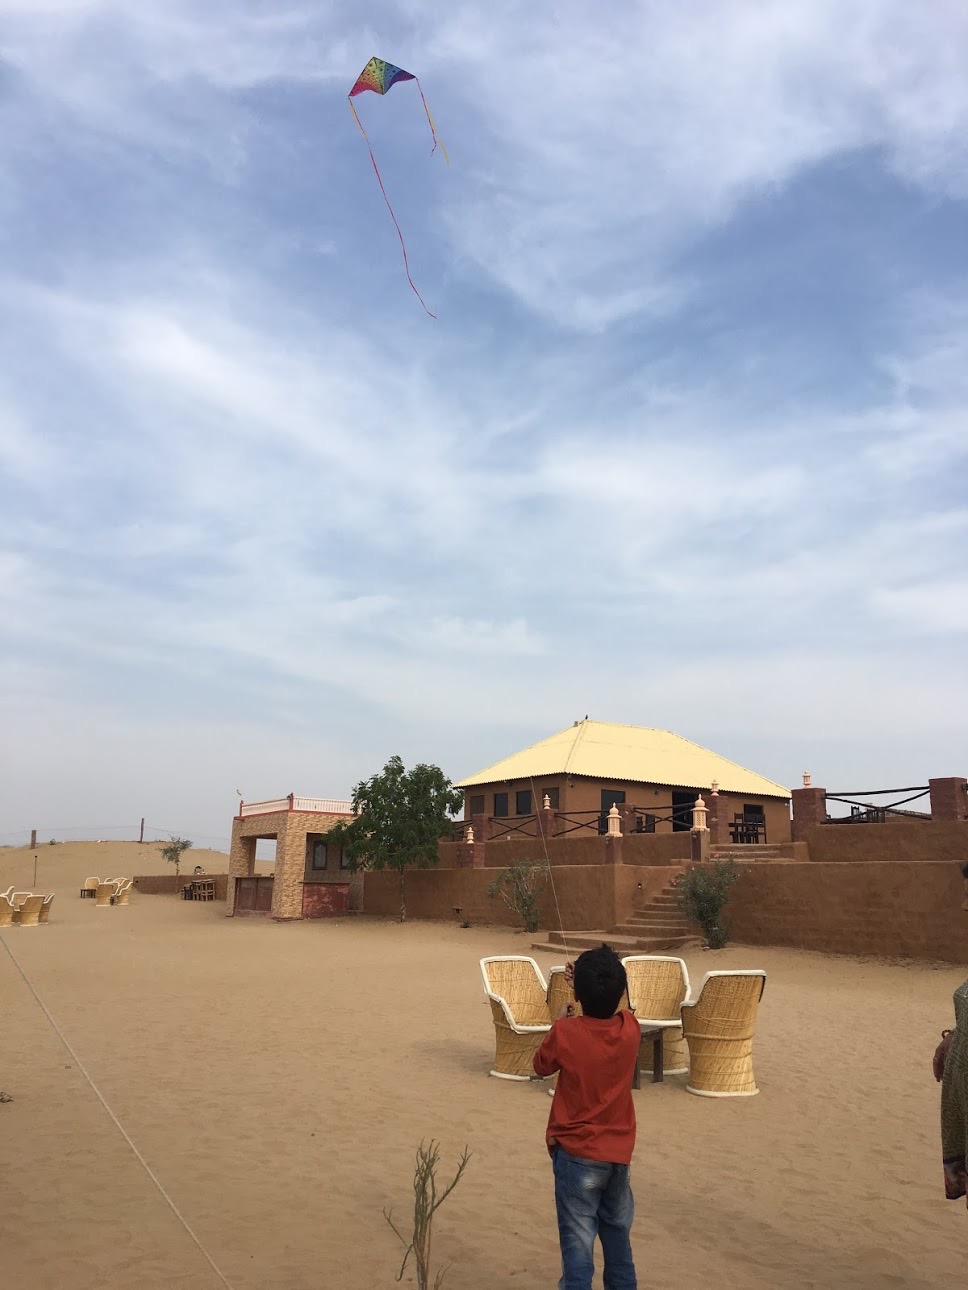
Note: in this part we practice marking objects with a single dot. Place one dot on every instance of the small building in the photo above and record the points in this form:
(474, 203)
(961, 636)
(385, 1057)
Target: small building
(311, 878)
(652, 776)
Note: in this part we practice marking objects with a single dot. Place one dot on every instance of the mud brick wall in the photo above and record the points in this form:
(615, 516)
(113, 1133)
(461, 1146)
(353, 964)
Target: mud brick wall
(928, 841)
(167, 884)
(907, 908)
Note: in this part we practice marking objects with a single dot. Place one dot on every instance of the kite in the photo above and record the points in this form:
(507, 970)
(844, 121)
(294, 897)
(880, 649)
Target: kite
(380, 76)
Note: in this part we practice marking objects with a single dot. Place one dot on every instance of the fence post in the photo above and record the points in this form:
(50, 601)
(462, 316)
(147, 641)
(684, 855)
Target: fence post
(949, 798)
(809, 808)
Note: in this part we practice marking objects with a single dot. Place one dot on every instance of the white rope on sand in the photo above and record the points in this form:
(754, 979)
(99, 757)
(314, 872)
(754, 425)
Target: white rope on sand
(117, 1123)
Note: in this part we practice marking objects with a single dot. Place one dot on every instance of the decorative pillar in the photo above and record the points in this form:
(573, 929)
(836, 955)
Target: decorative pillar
(241, 865)
(614, 827)
(547, 819)
(809, 808)
(290, 868)
(718, 823)
(699, 813)
(949, 798)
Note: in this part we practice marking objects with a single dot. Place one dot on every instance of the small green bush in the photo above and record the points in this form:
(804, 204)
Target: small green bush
(520, 886)
(702, 893)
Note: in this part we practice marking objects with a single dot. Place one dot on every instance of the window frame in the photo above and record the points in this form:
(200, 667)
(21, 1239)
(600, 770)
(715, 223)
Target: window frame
(499, 814)
(526, 793)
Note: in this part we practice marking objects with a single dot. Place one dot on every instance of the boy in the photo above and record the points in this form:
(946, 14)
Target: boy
(591, 1128)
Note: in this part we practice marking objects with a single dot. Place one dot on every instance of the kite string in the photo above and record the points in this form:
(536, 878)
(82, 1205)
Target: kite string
(117, 1123)
(551, 872)
(379, 179)
(433, 128)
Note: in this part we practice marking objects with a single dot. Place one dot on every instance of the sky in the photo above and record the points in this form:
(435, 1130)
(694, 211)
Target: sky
(685, 446)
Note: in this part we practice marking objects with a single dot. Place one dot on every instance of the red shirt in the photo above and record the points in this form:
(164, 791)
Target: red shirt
(592, 1113)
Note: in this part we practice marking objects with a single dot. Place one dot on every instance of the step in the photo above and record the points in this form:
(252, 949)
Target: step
(658, 916)
(577, 942)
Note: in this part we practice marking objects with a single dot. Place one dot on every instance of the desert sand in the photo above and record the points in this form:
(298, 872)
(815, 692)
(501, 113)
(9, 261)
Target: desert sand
(277, 1078)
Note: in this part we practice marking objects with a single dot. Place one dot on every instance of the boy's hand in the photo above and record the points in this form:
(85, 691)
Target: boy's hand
(570, 974)
(566, 1010)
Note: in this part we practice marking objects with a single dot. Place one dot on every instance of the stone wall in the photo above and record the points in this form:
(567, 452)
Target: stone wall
(908, 907)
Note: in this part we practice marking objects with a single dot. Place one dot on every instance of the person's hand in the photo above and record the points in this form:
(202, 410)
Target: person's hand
(941, 1054)
(566, 1010)
(570, 973)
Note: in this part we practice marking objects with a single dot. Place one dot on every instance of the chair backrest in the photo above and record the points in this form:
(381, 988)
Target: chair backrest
(658, 984)
(18, 898)
(8, 893)
(8, 912)
(559, 992)
(91, 884)
(517, 980)
(105, 891)
(30, 911)
(45, 907)
(726, 1005)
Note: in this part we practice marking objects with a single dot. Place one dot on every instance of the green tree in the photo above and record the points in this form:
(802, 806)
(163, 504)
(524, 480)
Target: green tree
(174, 850)
(401, 815)
(520, 886)
(702, 893)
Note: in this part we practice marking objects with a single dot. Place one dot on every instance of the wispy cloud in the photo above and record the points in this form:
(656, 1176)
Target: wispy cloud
(684, 448)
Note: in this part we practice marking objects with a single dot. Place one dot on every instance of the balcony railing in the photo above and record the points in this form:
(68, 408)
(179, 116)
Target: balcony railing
(314, 805)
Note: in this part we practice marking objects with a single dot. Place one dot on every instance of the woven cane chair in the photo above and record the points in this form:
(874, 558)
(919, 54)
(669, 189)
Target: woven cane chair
(104, 896)
(718, 1025)
(90, 887)
(8, 912)
(123, 894)
(518, 996)
(29, 912)
(560, 993)
(45, 908)
(658, 985)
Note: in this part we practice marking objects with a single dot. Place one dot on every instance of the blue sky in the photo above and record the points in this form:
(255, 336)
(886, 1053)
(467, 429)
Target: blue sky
(685, 447)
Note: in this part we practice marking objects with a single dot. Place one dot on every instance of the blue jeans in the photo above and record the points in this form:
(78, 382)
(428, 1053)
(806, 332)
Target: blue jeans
(593, 1199)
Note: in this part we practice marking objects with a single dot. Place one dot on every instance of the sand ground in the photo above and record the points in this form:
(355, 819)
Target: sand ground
(279, 1077)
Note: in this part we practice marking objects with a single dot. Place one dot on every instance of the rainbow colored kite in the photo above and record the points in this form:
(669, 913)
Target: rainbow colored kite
(380, 76)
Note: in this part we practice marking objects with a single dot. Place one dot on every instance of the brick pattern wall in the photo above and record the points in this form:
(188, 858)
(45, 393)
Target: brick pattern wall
(906, 908)
(325, 900)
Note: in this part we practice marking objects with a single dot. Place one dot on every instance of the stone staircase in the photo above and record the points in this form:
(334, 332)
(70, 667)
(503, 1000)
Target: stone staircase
(656, 927)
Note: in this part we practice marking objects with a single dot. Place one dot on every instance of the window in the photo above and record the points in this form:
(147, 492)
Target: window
(552, 794)
(610, 797)
(753, 813)
(522, 802)
(343, 861)
(476, 804)
(319, 855)
(500, 803)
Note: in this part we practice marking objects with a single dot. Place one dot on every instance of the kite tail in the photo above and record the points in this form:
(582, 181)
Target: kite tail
(433, 129)
(379, 179)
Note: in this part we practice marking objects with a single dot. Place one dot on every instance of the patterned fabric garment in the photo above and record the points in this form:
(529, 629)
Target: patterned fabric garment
(954, 1103)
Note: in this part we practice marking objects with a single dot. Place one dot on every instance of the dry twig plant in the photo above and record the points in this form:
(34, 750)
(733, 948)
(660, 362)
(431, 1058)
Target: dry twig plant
(426, 1202)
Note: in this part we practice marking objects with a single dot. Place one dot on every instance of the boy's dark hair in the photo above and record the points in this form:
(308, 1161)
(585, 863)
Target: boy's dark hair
(600, 981)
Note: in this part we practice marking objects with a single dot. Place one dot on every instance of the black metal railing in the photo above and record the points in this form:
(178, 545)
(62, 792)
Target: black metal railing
(865, 812)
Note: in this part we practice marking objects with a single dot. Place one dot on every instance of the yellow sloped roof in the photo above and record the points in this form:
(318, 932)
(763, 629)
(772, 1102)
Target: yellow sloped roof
(604, 750)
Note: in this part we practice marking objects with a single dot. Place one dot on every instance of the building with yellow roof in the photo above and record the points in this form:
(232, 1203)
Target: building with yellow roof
(652, 776)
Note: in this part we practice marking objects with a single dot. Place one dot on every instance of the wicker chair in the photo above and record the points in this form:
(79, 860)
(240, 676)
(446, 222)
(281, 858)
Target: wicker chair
(8, 912)
(90, 887)
(658, 985)
(123, 894)
(518, 996)
(718, 1026)
(560, 993)
(105, 894)
(45, 908)
(29, 913)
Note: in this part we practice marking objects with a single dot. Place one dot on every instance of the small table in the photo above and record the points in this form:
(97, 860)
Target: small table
(655, 1034)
